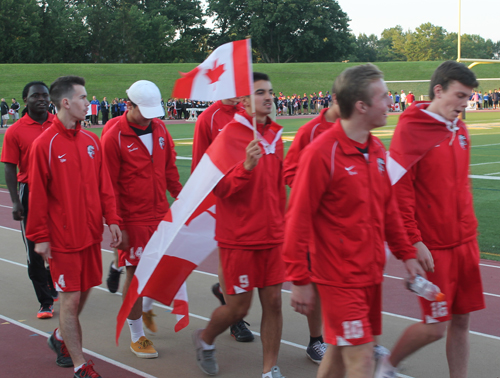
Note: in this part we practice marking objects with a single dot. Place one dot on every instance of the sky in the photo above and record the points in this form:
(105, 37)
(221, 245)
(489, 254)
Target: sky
(373, 16)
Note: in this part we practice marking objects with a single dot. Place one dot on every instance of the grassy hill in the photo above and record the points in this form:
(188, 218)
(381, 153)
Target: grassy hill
(112, 80)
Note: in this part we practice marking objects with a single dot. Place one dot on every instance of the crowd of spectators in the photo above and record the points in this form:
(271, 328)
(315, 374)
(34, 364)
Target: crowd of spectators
(285, 105)
(488, 100)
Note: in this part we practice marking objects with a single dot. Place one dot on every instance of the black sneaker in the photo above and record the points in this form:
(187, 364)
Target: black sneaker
(63, 358)
(218, 293)
(113, 280)
(241, 333)
(87, 371)
(316, 351)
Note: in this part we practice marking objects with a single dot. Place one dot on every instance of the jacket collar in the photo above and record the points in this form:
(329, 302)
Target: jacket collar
(345, 142)
(61, 129)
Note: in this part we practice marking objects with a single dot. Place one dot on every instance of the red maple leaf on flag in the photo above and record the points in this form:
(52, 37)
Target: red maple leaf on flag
(215, 73)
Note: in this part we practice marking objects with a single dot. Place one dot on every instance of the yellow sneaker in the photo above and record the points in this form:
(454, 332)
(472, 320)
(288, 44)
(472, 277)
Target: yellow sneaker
(144, 348)
(149, 322)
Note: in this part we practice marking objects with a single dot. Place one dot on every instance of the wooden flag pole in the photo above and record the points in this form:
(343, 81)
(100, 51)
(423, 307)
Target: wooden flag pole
(254, 118)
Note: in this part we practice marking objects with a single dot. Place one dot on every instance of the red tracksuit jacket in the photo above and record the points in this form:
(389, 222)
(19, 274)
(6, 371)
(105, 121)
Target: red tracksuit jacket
(70, 189)
(349, 204)
(435, 196)
(251, 204)
(141, 180)
(305, 135)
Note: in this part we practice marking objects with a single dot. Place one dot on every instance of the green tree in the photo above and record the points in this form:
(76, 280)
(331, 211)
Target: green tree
(63, 36)
(391, 45)
(20, 22)
(365, 49)
(284, 30)
(428, 42)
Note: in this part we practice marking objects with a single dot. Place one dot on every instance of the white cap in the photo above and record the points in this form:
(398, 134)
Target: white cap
(147, 97)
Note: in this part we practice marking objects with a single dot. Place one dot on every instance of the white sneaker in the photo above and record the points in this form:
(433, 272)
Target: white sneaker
(385, 369)
(276, 373)
(379, 351)
(205, 358)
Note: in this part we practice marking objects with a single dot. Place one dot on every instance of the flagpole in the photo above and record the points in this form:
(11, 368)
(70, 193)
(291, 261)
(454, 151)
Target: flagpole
(254, 117)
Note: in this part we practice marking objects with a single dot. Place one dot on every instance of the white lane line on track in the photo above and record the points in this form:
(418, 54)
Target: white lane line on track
(93, 354)
(8, 207)
(284, 291)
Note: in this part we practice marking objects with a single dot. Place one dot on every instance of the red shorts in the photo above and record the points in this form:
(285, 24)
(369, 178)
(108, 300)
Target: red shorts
(76, 271)
(351, 316)
(456, 272)
(245, 269)
(138, 237)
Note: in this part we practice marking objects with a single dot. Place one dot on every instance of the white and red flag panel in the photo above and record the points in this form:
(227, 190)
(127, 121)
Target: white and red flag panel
(226, 73)
(185, 237)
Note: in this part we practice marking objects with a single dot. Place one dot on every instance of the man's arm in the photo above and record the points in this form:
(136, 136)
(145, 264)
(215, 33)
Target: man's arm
(201, 139)
(11, 180)
(311, 182)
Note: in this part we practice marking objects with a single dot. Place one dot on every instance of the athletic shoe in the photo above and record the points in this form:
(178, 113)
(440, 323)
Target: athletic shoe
(316, 351)
(218, 293)
(45, 312)
(205, 358)
(240, 332)
(113, 280)
(149, 322)
(379, 351)
(143, 348)
(63, 358)
(385, 369)
(276, 373)
(87, 371)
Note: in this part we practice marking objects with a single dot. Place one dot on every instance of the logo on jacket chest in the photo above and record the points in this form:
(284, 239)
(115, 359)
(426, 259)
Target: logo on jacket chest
(381, 165)
(351, 170)
(91, 151)
(462, 139)
(161, 140)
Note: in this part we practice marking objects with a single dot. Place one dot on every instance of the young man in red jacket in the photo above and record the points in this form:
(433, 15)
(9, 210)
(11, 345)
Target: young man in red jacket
(70, 194)
(15, 153)
(208, 125)
(429, 166)
(249, 230)
(342, 196)
(140, 156)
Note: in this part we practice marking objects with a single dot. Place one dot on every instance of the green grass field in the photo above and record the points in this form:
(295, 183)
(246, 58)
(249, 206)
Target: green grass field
(485, 161)
(111, 80)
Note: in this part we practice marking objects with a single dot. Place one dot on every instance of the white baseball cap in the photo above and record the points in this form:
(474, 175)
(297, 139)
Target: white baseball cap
(146, 95)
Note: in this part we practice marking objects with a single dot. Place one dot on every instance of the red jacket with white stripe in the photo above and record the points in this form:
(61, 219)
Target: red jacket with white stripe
(70, 189)
(251, 204)
(209, 124)
(348, 202)
(305, 135)
(434, 195)
(141, 180)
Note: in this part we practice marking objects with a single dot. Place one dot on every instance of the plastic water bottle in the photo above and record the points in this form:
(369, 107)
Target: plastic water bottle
(425, 289)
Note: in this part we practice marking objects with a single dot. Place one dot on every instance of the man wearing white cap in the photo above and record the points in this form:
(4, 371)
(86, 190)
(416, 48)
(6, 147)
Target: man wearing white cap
(140, 155)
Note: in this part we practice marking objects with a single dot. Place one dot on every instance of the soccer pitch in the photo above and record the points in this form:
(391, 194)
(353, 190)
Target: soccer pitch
(484, 128)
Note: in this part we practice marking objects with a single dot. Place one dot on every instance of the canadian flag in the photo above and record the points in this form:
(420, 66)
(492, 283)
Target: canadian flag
(226, 73)
(413, 137)
(185, 237)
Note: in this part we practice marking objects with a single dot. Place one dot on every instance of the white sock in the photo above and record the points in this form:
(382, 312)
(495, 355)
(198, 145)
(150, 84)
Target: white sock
(79, 367)
(116, 268)
(136, 331)
(267, 375)
(58, 335)
(147, 304)
(205, 346)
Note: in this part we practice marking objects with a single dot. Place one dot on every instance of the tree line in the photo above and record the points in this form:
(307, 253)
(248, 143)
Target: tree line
(178, 31)
(427, 42)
